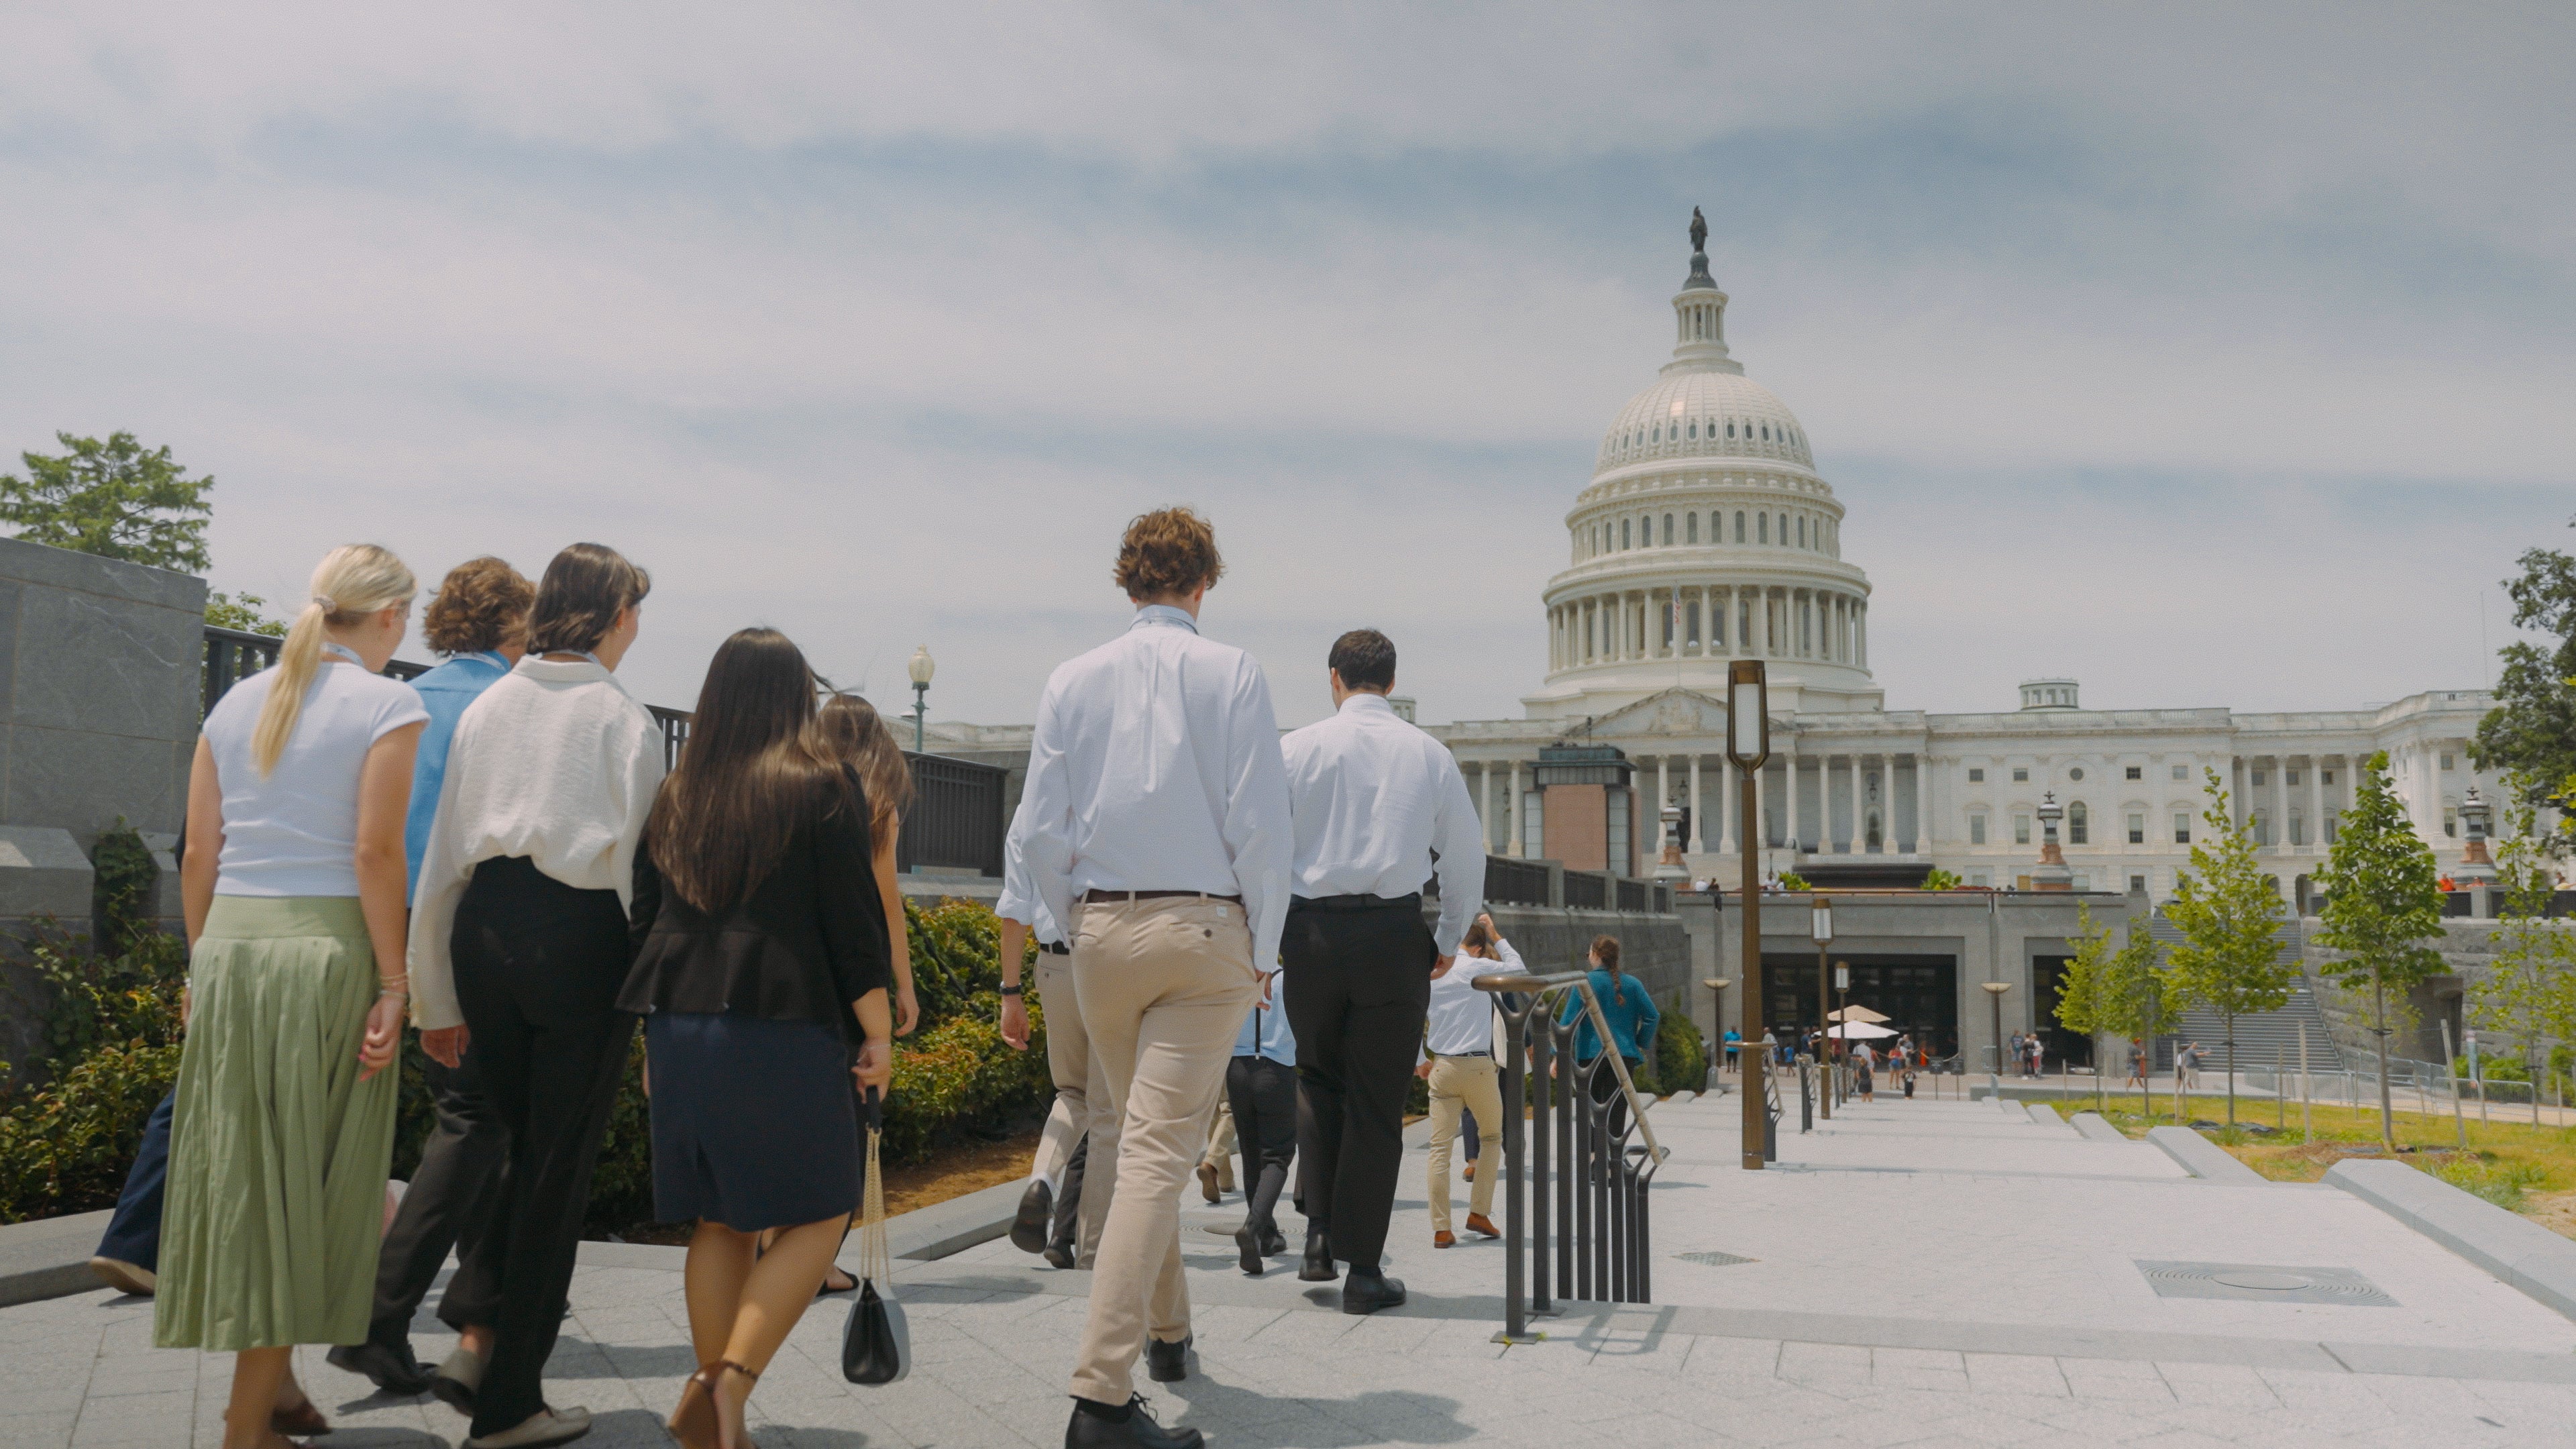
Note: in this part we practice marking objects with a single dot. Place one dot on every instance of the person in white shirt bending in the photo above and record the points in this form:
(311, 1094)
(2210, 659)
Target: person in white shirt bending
(1154, 827)
(1376, 801)
(519, 933)
(1459, 1064)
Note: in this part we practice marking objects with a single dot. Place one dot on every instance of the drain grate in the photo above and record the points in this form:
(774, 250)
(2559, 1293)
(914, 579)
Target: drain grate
(1714, 1260)
(2263, 1283)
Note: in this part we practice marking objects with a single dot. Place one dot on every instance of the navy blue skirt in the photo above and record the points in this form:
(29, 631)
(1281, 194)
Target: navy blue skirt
(753, 1122)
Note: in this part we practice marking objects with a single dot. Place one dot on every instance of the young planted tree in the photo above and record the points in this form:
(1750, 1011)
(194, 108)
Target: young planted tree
(2531, 992)
(2137, 998)
(2383, 901)
(2079, 991)
(2229, 913)
(112, 499)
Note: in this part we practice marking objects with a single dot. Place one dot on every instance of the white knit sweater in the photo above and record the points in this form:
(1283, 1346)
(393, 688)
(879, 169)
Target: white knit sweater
(556, 762)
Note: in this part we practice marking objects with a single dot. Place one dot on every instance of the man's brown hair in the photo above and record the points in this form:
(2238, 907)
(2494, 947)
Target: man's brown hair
(481, 605)
(1168, 551)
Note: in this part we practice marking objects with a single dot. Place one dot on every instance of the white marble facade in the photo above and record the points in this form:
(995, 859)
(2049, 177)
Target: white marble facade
(1706, 535)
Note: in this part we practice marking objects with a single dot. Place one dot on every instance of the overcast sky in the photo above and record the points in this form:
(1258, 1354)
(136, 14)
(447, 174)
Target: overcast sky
(2212, 354)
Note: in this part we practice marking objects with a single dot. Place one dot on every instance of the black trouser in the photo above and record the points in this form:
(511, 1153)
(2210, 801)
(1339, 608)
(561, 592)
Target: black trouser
(1263, 1094)
(449, 1201)
(1605, 1090)
(134, 1231)
(1467, 1130)
(1066, 1226)
(538, 967)
(1359, 986)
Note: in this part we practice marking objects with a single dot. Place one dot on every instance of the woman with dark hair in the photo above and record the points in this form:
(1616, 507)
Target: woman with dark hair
(1629, 1009)
(519, 948)
(763, 955)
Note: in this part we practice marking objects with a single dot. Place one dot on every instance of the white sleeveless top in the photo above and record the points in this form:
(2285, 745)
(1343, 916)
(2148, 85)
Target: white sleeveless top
(296, 832)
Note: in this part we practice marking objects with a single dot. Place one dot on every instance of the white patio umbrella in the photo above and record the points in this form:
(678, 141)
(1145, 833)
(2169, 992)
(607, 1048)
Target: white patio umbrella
(1858, 1031)
(1854, 1013)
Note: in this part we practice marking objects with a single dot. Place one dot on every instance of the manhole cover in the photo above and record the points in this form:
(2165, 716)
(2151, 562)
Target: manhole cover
(2271, 1282)
(2263, 1283)
(1714, 1260)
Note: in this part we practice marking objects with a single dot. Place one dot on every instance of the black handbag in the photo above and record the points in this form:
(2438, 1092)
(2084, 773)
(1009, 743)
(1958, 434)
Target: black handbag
(876, 1345)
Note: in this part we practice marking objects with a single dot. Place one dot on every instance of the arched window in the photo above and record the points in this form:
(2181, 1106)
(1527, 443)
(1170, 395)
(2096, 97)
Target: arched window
(1766, 432)
(1668, 530)
(1692, 431)
(2079, 824)
(1739, 517)
(1802, 532)
(1730, 427)
(1623, 534)
(1762, 522)
(1690, 529)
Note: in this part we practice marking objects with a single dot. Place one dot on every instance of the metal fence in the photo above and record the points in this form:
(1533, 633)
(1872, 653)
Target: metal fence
(1632, 896)
(956, 821)
(1510, 882)
(1585, 891)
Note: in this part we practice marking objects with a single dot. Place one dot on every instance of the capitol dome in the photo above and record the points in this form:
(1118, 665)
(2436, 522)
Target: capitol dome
(1705, 535)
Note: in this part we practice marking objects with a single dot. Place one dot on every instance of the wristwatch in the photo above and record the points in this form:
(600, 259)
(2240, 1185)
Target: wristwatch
(1011, 991)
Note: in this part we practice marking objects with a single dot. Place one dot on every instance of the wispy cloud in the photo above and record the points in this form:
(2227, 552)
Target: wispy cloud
(2217, 355)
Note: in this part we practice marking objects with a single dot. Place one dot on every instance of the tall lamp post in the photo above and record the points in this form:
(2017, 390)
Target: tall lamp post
(1717, 1013)
(1995, 993)
(920, 667)
(1842, 1012)
(1748, 747)
(1820, 917)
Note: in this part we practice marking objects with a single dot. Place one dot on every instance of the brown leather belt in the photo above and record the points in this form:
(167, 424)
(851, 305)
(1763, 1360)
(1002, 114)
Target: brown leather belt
(1102, 898)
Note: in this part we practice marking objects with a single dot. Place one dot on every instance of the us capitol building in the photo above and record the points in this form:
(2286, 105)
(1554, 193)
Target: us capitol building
(1707, 535)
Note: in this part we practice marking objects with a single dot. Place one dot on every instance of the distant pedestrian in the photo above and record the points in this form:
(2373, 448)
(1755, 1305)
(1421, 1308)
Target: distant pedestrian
(2137, 1062)
(1734, 1043)
(1459, 1066)
(2188, 1064)
(1863, 1073)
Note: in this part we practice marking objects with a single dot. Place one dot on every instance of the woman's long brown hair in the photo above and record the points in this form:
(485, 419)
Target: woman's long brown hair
(853, 732)
(752, 772)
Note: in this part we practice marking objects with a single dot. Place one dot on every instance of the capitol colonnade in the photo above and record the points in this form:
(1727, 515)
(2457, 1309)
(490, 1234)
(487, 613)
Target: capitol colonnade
(1708, 621)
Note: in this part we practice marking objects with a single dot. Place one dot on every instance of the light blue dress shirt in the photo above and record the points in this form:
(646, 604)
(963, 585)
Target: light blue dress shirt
(445, 692)
(1265, 1032)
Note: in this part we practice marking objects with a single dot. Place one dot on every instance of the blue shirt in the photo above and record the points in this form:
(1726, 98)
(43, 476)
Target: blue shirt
(1265, 1032)
(445, 691)
(1632, 1022)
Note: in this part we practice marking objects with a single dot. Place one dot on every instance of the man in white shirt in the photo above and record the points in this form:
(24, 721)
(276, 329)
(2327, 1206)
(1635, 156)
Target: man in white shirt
(1154, 825)
(1376, 801)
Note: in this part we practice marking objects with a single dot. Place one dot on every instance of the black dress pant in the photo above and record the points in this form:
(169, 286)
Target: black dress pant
(1066, 1225)
(134, 1231)
(538, 968)
(1263, 1094)
(1358, 989)
(450, 1201)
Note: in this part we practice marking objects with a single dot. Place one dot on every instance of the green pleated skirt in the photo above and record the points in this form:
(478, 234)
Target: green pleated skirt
(278, 1153)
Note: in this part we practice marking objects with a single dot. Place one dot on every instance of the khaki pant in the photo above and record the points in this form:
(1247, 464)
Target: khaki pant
(1472, 1083)
(1078, 1087)
(1164, 985)
(1220, 1139)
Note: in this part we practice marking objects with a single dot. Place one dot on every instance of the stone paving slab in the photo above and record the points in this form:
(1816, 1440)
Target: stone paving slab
(1990, 1303)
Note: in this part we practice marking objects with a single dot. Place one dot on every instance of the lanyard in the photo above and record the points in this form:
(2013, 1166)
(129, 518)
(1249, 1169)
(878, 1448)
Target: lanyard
(345, 652)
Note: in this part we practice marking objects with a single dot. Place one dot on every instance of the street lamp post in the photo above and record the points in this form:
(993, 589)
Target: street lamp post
(1717, 1014)
(1820, 915)
(1748, 747)
(1842, 1012)
(1995, 993)
(920, 667)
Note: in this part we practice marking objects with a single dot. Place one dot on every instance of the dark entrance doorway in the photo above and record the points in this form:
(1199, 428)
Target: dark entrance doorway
(1919, 995)
(2073, 1048)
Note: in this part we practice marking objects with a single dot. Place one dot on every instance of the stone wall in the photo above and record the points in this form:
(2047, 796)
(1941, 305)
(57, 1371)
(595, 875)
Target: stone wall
(99, 692)
(2467, 948)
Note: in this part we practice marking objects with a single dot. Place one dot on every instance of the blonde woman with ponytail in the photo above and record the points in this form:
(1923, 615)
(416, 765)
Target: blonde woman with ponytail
(293, 893)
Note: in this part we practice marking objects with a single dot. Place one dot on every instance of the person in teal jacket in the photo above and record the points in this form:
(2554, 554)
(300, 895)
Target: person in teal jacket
(1630, 1010)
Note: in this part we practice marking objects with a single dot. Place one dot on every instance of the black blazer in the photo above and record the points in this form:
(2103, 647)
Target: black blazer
(811, 939)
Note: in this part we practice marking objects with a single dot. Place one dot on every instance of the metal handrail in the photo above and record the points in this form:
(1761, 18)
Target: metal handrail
(1581, 981)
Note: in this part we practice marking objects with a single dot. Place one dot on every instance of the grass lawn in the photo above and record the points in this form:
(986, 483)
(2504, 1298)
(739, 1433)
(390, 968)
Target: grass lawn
(2529, 1169)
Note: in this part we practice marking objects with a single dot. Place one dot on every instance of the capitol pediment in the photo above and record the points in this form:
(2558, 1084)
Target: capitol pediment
(1673, 712)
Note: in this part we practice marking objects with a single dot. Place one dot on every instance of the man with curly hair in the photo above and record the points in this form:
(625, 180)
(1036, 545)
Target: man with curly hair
(1154, 827)
(478, 619)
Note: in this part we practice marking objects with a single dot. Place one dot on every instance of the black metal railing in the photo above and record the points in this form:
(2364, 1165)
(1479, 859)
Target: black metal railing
(233, 655)
(1633, 896)
(1511, 882)
(1586, 891)
(1577, 1161)
(956, 819)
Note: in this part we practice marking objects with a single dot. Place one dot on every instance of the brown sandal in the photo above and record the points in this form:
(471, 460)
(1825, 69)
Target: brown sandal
(695, 1423)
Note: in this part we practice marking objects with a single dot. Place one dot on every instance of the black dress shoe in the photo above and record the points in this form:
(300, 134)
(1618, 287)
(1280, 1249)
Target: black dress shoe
(1037, 1213)
(1273, 1242)
(1168, 1363)
(1318, 1267)
(1137, 1430)
(1059, 1255)
(1369, 1292)
(393, 1370)
(1247, 1241)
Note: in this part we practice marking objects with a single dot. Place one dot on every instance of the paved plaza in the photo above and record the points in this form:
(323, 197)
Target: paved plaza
(1920, 1273)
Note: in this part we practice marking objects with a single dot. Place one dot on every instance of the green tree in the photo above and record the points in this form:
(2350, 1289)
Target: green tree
(246, 612)
(2531, 732)
(2383, 900)
(2531, 991)
(2229, 913)
(2080, 998)
(111, 499)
